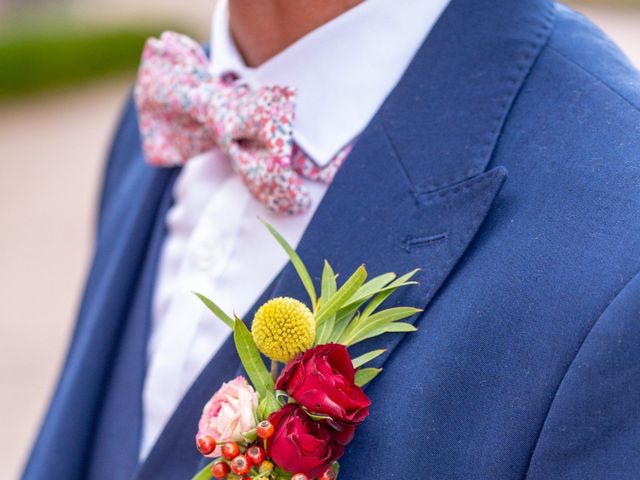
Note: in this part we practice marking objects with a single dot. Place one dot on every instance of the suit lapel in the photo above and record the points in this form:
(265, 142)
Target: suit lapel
(372, 215)
(414, 191)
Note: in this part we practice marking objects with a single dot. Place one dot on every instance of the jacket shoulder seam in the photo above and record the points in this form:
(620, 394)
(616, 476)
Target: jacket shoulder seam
(594, 76)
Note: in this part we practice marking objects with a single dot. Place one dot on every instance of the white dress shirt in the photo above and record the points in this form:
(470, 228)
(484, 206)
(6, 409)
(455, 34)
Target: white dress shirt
(343, 71)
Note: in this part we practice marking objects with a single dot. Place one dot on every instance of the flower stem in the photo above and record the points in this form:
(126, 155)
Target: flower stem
(274, 369)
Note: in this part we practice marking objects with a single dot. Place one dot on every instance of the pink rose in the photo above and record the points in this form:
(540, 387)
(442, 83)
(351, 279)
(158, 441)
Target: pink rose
(229, 413)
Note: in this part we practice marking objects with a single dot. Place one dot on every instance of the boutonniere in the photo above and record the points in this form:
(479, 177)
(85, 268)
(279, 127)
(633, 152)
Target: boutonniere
(295, 425)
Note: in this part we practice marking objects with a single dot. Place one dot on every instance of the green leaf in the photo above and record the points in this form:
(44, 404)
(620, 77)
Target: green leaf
(251, 360)
(205, 473)
(344, 318)
(377, 301)
(280, 474)
(346, 329)
(324, 330)
(379, 285)
(217, 311)
(268, 404)
(396, 327)
(267, 474)
(391, 315)
(316, 417)
(297, 263)
(370, 288)
(366, 357)
(364, 330)
(282, 396)
(329, 286)
(360, 320)
(345, 292)
(335, 466)
(404, 279)
(365, 375)
(250, 436)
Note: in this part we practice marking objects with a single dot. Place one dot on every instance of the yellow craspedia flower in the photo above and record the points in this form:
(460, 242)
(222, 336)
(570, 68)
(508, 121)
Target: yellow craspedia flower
(282, 328)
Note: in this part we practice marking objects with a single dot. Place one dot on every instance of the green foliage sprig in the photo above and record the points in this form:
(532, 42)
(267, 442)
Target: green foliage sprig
(347, 314)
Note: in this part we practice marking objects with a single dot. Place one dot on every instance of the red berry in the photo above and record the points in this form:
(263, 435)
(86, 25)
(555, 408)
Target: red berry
(206, 444)
(220, 470)
(256, 454)
(328, 474)
(299, 476)
(265, 429)
(230, 450)
(240, 465)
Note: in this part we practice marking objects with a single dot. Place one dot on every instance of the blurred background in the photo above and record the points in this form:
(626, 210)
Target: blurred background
(65, 68)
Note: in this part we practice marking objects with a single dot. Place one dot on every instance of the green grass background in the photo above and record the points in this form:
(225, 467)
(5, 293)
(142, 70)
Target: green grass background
(36, 56)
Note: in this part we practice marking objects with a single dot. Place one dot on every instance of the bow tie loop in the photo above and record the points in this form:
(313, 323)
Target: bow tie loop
(184, 111)
(172, 93)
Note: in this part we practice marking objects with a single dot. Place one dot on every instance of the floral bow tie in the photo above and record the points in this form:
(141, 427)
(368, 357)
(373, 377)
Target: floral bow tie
(183, 111)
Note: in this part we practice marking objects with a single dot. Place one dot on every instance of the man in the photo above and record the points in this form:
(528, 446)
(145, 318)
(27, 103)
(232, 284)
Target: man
(494, 144)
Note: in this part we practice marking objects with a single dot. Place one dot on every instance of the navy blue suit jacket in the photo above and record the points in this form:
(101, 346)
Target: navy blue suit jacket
(506, 165)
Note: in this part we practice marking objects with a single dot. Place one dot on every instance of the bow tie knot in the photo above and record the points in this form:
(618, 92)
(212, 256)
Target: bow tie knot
(183, 111)
(259, 118)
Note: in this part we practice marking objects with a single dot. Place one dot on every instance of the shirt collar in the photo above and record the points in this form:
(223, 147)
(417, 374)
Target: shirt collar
(342, 71)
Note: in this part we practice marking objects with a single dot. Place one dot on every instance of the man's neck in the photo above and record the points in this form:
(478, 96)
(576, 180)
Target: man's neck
(263, 28)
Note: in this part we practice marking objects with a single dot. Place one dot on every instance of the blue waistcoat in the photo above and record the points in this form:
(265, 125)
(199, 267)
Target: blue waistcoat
(506, 165)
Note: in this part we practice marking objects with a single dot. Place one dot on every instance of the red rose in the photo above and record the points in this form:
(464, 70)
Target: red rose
(300, 445)
(322, 380)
